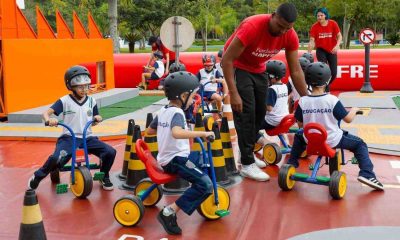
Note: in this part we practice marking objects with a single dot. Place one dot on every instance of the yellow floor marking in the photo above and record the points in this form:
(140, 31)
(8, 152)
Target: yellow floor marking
(371, 134)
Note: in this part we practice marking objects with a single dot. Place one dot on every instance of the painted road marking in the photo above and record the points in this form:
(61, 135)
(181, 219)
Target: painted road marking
(370, 133)
(395, 164)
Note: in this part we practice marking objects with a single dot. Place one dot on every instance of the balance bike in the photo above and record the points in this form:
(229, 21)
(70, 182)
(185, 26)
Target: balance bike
(81, 179)
(129, 209)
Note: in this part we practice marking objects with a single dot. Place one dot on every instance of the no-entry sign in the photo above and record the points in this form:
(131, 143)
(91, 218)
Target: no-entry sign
(367, 36)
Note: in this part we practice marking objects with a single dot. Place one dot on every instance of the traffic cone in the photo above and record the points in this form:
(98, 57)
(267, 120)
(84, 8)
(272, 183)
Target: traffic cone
(218, 158)
(32, 225)
(198, 126)
(136, 168)
(151, 140)
(128, 148)
(227, 112)
(227, 148)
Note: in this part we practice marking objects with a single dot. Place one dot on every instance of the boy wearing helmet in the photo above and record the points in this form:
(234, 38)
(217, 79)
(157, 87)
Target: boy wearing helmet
(174, 147)
(76, 110)
(211, 79)
(155, 72)
(175, 67)
(327, 110)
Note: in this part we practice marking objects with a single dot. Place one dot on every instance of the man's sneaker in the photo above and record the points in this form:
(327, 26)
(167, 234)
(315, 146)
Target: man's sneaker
(169, 223)
(259, 163)
(107, 184)
(33, 183)
(371, 182)
(253, 172)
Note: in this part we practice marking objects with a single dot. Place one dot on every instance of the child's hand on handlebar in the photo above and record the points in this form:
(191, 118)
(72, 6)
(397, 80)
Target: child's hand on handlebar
(209, 135)
(97, 119)
(53, 122)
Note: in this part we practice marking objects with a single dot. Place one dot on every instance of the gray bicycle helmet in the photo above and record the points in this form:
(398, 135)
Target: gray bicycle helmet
(276, 69)
(318, 74)
(76, 75)
(309, 56)
(304, 62)
(177, 67)
(180, 82)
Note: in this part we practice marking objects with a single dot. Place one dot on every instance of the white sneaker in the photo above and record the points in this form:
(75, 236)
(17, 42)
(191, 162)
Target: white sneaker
(259, 163)
(253, 172)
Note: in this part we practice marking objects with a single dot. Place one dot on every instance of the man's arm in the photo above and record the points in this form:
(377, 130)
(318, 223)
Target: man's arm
(167, 64)
(311, 44)
(296, 72)
(233, 52)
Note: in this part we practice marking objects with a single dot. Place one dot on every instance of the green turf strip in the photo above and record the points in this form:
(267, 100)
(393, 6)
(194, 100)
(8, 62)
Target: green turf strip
(128, 106)
(396, 101)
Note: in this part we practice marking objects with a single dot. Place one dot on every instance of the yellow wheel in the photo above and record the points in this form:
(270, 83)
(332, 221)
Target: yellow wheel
(257, 147)
(284, 181)
(128, 210)
(303, 154)
(155, 195)
(83, 182)
(208, 122)
(207, 208)
(338, 185)
(335, 162)
(272, 153)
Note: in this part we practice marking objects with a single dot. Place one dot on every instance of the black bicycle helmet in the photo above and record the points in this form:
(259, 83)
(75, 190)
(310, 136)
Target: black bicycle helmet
(318, 74)
(180, 82)
(220, 52)
(177, 67)
(74, 72)
(309, 56)
(304, 62)
(276, 69)
(158, 54)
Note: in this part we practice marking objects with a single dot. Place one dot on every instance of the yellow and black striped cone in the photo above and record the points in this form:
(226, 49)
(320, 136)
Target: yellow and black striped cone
(127, 153)
(151, 140)
(218, 158)
(136, 169)
(227, 148)
(32, 224)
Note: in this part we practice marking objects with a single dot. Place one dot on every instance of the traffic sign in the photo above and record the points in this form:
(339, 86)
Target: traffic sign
(177, 39)
(367, 36)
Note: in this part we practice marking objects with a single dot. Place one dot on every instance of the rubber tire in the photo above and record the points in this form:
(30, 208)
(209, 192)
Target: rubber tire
(336, 186)
(224, 203)
(277, 151)
(55, 176)
(84, 178)
(155, 195)
(334, 163)
(125, 202)
(285, 172)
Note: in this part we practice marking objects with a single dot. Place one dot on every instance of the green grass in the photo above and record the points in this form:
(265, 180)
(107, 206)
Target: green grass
(128, 106)
(396, 101)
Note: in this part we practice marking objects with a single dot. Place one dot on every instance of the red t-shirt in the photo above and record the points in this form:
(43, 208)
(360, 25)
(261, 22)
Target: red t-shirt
(259, 44)
(325, 36)
(164, 51)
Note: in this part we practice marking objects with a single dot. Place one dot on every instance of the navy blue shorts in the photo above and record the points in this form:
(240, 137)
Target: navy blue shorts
(208, 94)
(154, 76)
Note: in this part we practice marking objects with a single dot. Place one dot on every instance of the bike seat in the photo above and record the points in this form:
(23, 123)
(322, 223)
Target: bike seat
(316, 136)
(153, 169)
(283, 126)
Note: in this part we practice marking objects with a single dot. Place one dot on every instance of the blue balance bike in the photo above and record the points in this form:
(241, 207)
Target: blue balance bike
(81, 179)
(129, 209)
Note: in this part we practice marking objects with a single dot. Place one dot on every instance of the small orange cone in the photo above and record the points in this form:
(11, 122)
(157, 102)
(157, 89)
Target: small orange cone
(227, 112)
(32, 224)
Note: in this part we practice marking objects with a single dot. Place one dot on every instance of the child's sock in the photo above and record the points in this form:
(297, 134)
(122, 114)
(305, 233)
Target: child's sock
(168, 211)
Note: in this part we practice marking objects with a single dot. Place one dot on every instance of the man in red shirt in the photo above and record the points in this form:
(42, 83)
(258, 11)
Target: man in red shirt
(326, 37)
(157, 45)
(257, 39)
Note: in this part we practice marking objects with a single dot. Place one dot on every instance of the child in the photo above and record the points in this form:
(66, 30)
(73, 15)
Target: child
(174, 148)
(212, 80)
(308, 56)
(327, 110)
(175, 67)
(155, 72)
(76, 110)
(293, 94)
(218, 64)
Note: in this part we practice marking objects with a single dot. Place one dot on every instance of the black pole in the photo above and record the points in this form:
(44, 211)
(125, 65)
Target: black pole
(367, 87)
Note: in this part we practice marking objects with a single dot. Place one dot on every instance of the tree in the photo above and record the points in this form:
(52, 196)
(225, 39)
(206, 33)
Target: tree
(113, 20)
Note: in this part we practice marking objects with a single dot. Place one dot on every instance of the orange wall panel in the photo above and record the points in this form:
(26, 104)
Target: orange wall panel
(34, 68)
